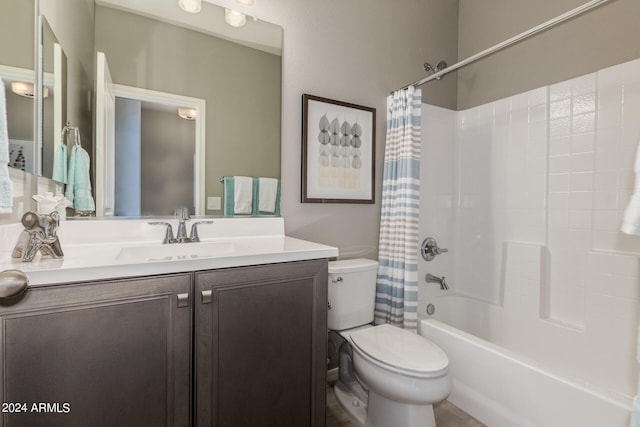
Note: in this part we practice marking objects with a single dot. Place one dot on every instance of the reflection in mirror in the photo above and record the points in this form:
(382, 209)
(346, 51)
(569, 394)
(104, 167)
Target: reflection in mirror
(54, 106)
(159, 148)
(154, 159)
(159, 47)
(17, 74)
(239, 84)
(71, 21)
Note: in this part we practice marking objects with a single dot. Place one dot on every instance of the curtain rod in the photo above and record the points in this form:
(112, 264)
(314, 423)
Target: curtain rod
(515, 39)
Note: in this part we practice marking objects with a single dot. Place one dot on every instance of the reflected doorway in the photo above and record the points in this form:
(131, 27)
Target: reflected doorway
(154, 159)
(158, 149)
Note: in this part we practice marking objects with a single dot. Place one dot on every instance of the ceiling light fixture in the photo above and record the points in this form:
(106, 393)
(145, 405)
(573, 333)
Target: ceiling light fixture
(187, 113)
(27, 90)
(247, 2)
(234, 18)
(191, 6)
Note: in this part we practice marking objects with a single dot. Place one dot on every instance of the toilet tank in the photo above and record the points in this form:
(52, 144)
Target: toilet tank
(352, 293)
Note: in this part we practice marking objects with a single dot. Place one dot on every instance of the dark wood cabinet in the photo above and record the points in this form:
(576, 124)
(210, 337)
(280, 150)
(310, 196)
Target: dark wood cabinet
(241, 346)
(104, 353)
(260, 345)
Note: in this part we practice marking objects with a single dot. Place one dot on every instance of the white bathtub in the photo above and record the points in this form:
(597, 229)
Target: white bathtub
(502, 389)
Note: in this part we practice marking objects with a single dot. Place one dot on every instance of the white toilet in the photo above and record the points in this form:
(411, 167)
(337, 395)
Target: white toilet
(387, 376)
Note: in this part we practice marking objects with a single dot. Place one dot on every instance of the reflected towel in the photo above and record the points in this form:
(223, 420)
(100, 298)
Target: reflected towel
(60, 164)
(631, 219)
(268, 193)
(242, 194)
(78, 181)
(635, 413)
(6, 187)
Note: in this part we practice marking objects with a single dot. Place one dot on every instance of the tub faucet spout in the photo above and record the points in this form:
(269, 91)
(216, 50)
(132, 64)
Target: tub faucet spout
(430, 278)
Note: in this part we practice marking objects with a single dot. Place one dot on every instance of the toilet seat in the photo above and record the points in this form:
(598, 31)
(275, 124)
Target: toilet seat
(400, 351)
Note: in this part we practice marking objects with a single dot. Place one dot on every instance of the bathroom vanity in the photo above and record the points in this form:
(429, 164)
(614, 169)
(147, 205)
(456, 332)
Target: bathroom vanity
(235, 337)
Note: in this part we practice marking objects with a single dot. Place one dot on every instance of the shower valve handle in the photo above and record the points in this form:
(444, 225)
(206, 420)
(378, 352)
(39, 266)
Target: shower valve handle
(430, 249)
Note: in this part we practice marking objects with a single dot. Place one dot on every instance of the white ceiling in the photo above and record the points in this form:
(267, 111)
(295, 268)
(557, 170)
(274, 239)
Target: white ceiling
(257, 34)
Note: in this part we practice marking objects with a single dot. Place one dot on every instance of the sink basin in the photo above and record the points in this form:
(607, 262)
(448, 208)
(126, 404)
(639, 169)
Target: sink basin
(162, 252)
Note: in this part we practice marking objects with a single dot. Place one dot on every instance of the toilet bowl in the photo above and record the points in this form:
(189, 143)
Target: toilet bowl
(388, 376)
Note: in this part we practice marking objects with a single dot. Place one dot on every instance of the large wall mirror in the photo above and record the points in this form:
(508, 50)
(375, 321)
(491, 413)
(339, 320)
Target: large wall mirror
(160, 59)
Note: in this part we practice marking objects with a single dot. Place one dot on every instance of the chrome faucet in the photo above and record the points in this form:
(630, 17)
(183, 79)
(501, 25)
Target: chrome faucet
(430, 278)
(181, 236)
(183, 215)
(168, 235)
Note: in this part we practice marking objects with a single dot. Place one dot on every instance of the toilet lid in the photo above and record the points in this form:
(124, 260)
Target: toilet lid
(400, 350)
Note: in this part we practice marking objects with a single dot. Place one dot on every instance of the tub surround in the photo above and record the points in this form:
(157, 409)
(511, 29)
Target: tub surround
(530, 196)
(101, 249)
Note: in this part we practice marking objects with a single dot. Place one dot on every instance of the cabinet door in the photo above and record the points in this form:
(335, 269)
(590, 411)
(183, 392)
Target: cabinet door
(112, 353)
(261, 335)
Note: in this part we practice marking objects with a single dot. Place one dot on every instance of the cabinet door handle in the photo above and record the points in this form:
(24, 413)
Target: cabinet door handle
(12, 283)
(183, 300)
(207, 297)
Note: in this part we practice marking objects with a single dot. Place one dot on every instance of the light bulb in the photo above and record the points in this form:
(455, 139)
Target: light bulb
(191, 6)
(234, 18)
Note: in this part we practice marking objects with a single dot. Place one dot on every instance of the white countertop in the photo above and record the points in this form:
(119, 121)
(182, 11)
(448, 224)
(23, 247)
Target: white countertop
(103, 249)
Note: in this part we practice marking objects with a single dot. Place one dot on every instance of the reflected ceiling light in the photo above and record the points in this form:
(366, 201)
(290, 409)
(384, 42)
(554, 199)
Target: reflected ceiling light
(234, 18)
(191, 6)
(27, 90)
(187, 113)
(246, 2)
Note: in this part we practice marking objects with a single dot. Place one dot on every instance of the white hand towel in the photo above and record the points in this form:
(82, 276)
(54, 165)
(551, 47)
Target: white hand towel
(268, 192)
(631, 219)
(6, 187)
(242, 194)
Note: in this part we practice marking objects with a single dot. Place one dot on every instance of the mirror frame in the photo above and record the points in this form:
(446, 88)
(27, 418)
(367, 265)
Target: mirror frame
(38, 125)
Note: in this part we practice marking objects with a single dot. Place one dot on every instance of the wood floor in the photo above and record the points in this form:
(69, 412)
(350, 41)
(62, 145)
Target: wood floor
(447, 415)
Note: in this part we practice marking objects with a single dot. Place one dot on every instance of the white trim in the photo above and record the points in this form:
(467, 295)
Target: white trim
(15, 73)
(200, 105)
(57, 96)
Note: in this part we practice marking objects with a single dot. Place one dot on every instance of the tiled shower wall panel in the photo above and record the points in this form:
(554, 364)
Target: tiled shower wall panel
(501, 165)
(436, 193)
(547, 175)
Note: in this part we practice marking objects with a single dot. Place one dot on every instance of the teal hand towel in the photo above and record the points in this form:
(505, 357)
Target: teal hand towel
(78, 181)
(228, 188)
(60, 164)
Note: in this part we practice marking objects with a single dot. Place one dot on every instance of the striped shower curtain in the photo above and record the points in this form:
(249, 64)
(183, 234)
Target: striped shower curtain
(397, 282)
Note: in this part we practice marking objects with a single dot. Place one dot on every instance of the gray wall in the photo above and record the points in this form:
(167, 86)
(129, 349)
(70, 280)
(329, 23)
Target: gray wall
(17, 33)
(241, 87)
(600, 38)
(356, 51)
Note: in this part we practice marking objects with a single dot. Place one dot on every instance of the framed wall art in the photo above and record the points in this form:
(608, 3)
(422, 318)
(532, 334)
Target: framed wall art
(338, 151)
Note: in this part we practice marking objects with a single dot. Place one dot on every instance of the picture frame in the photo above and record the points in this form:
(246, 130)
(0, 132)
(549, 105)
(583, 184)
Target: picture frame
(21, 155)
(338, 151)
